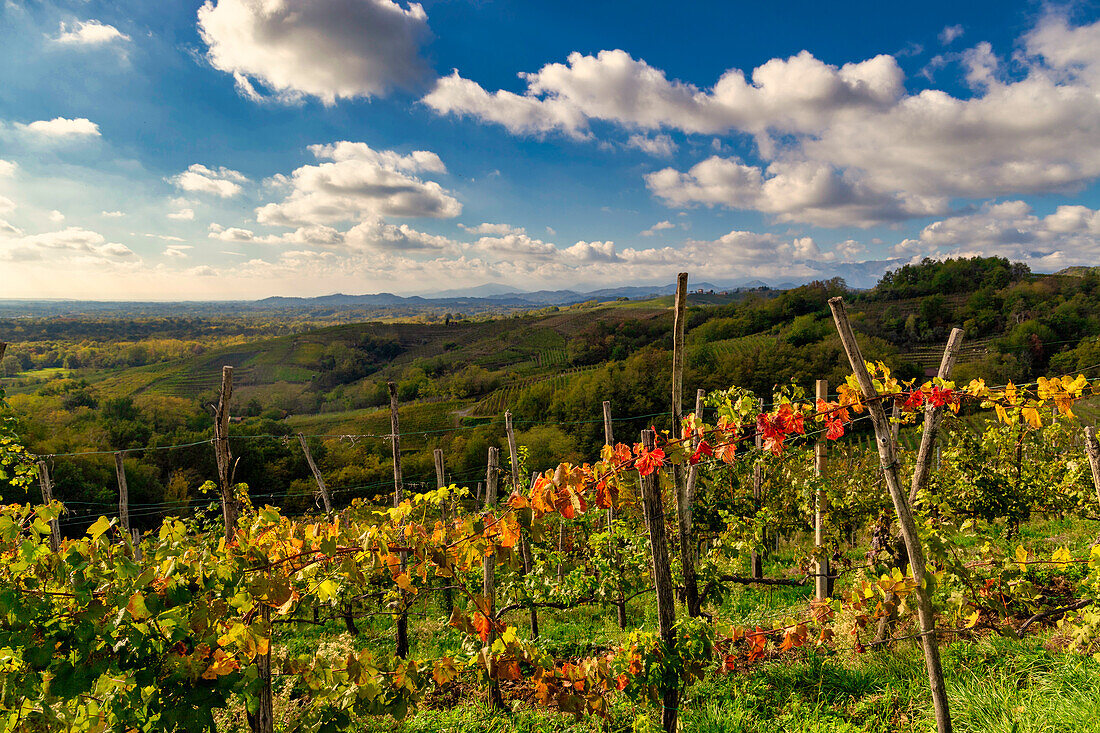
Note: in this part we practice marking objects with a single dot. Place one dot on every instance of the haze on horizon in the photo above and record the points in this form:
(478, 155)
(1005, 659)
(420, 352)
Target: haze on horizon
(234, 149)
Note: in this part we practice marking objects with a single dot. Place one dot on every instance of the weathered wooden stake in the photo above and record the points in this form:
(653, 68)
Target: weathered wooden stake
(687, 531)
(263, 720)
(488, 579)
(524, 541)
(398, 497)
(822, 585)
(757, 562)
(135, 537)
(316, 475)
(47, 497)
(620, 597)
(440, 482)
(679, 478)
(932, 418)
(1092, 448)
(653, 507)
(223, 455)
(888, 458)
(123, 495)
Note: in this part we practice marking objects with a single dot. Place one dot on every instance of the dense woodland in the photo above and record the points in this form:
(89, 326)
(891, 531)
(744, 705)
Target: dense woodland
(96, 384)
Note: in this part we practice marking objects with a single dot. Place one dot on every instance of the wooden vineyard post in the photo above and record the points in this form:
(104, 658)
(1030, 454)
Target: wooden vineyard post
(223, 455)
(888, 457)
(316, 476)
(135, 537)
(47, 498)
(620, 598)
(679, 477)
(921, 469)
(398, 497)
(263, 720)
(688, 530)
(757, 562)
(823, 584)
(1092, 447)
(525, 544)
(653, 508)
(488, 563)
(123, 495)
(932, 417)
(440, 482)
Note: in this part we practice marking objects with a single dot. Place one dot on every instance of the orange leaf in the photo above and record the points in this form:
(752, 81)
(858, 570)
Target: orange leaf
(483, 625)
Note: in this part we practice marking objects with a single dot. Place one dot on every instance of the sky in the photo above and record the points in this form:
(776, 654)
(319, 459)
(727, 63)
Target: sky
(237, 149)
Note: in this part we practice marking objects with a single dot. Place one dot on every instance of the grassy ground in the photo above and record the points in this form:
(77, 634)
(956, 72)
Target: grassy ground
(995, 685)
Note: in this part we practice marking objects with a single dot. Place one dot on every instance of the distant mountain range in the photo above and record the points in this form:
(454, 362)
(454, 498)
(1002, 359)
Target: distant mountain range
(486, 297)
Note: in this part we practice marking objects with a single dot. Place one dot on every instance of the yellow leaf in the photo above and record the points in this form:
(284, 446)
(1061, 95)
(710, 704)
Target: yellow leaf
(1031, 415)
(101, 525)
(404, 582)
(972, 619)
(1021, 557)
(1062, 557)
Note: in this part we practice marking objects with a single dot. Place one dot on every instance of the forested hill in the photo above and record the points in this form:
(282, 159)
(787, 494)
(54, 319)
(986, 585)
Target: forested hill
(137, 384)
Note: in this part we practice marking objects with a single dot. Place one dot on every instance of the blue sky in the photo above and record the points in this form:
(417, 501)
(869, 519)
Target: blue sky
(244, 148)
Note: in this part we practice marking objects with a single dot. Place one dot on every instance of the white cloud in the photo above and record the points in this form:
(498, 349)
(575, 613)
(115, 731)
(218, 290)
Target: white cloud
(328, 49)
(222, 182)
(795, 191)
(838, 145)
(56, 216)
(61, 127)
(515, 244)
(8, 169)
(6, 205)
(798, 93)
(950, 33)
(176, 252)
(659, 226)
(359, 183)
(1069, 236)
(89, 33)
(591, 252)
(499, 229)
(520, 114)
(659, 145)
(182, 215)
(112, 214)
(71, 244)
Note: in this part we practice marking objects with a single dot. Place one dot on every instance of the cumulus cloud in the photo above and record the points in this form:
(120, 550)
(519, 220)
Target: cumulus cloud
(792, 191)
(56, 216)
(328, 49)
(520, 114)
(70, 244)
(797, 93)
(185, 214)
(838, 145)
(89, 33)
(6, 205)
(1069, 236)
(112, 214)
(7, 169)
(222, 182)
(356, 182)
(61, 127)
